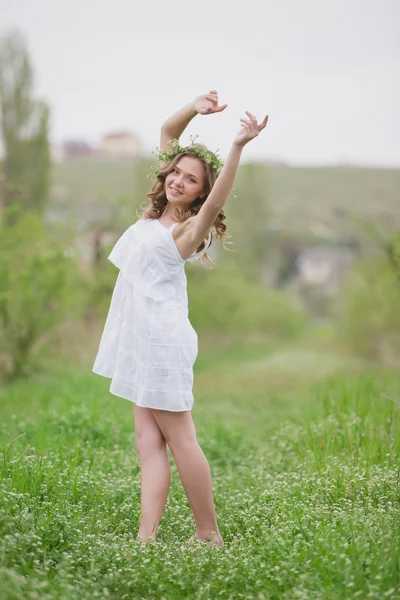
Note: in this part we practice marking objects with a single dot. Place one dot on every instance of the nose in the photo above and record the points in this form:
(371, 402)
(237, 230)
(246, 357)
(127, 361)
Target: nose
(178, 180)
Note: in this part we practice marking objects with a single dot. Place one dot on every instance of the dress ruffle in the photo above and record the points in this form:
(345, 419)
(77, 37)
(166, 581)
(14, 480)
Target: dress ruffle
(149, 267)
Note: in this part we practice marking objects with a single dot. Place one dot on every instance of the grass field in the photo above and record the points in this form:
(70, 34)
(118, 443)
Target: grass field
(303, 445)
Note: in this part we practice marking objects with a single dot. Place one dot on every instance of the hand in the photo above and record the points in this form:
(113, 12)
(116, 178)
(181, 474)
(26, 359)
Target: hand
(208, 104)
(250, 129)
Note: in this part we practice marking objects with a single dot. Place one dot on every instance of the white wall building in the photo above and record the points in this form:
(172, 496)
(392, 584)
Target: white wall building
(121, 144)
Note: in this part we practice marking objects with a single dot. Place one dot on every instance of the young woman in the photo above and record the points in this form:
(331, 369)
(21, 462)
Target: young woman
(148, 346)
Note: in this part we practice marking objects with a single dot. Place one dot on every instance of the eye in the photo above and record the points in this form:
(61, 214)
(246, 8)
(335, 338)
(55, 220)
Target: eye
(191, 179)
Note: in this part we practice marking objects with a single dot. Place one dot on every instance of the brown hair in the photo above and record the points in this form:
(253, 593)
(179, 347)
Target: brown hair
(158, 200)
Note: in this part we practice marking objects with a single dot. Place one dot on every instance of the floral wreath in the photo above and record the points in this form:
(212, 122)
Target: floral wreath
(212, 159)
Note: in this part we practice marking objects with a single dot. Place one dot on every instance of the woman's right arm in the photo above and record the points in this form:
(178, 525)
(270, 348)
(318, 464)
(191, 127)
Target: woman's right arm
(176, 124)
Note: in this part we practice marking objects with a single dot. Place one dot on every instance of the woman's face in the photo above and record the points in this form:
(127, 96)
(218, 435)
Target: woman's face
(186, 181)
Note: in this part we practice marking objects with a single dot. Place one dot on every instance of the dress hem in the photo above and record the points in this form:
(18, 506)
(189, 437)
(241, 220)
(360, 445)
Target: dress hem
(137, 403)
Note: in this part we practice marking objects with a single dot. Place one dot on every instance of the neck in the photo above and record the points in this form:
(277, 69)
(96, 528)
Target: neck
(169, 212)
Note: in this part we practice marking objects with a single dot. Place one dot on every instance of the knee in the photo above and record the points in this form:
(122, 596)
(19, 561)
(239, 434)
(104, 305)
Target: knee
(181, 443)
(148, 444)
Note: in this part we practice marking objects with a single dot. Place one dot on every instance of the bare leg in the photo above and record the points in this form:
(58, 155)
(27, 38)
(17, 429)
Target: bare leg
(180, 433)
(155, 471)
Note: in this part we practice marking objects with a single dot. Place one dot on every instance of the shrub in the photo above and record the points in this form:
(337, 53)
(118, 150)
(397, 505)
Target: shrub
(222, 300)
(38, 289)
(369, 316)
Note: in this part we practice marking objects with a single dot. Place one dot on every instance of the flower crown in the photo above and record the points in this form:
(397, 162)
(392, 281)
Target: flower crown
(197, 149)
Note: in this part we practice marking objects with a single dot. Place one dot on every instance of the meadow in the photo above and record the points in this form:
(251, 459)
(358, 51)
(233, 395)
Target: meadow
(294, 406)
(303, 444)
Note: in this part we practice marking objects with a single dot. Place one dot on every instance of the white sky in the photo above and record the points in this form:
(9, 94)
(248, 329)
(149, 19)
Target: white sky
(326, 71)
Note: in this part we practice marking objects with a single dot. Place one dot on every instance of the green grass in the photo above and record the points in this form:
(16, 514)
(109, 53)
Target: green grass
(306, 476)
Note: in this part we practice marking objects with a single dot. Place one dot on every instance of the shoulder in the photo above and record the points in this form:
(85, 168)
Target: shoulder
(193, 229)
(187, 239)
(184, 225)
(141, 225)
(183, 232)
(187, 228)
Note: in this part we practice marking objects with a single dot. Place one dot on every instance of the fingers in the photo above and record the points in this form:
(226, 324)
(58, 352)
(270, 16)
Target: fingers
(212, 96)
(263, 124)
(213, 99)
(251, 123)
(251, 129)
(253, 120)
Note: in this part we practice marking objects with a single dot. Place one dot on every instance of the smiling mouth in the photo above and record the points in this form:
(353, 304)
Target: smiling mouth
(174, 190)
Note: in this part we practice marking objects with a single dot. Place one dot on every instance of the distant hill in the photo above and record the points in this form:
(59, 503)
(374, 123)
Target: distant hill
(321, 199)
(328, 196)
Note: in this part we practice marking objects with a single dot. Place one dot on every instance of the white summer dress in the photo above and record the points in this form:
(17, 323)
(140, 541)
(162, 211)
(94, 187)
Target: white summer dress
(148, 346)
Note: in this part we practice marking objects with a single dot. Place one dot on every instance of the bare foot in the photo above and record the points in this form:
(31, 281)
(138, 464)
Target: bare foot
(214, 540)
(149, 540)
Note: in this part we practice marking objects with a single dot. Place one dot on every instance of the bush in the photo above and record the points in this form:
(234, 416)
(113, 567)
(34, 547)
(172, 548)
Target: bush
(222, 300)
(369, 315)
(39, 288)
(99, 285)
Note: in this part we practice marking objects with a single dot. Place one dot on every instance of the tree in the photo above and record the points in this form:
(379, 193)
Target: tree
(386, 241)
(24, 131)
(40, 286)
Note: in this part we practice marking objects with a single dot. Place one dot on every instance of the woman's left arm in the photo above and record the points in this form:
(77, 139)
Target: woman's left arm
(204, 220)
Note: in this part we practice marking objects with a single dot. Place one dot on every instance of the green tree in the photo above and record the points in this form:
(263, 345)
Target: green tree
(24, 131)
(369, 319)
(40, 288)
(397, 254)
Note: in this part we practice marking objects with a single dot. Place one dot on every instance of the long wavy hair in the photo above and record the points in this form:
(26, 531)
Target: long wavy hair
(158, 200)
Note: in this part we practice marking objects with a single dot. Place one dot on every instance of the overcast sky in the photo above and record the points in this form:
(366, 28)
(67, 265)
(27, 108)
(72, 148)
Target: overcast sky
(326, 71)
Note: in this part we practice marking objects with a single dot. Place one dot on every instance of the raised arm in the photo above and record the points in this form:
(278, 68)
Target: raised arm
(176, 124)
(206, 216)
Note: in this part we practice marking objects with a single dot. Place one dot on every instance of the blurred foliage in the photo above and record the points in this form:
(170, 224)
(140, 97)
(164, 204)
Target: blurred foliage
(396, 254)
(369, 315)
(125, 207)
(222, 300)
(39, 289)
(142, 181)
(319, 301)
(248, 214)
(24, 131)
(98, 286)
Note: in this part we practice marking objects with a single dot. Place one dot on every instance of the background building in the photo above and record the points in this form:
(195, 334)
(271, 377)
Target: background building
(121, 144)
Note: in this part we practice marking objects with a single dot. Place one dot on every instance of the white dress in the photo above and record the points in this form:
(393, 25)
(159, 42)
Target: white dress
(148, 346)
